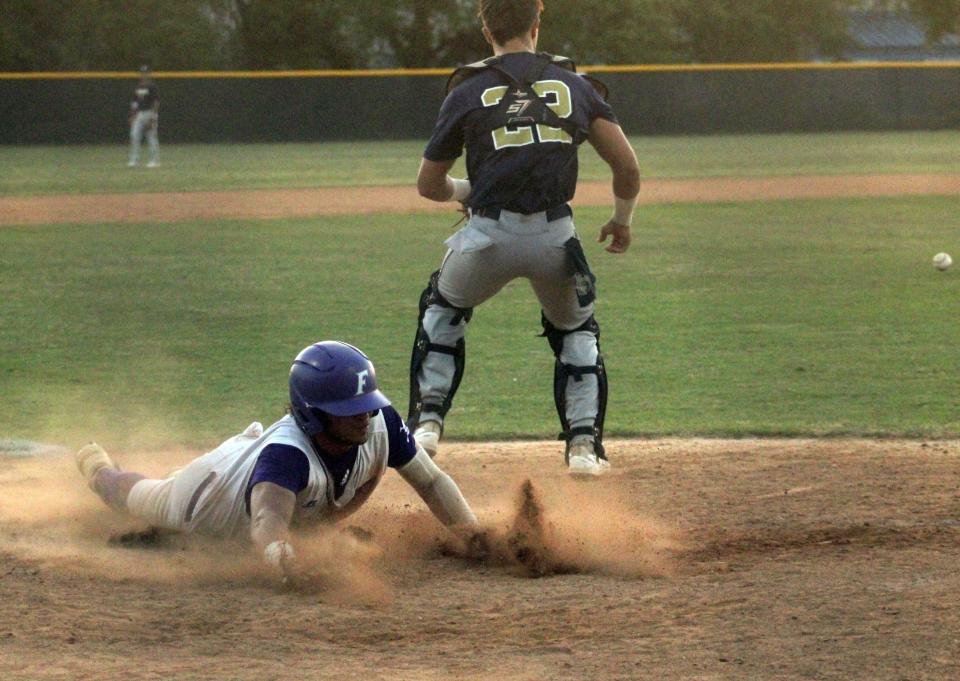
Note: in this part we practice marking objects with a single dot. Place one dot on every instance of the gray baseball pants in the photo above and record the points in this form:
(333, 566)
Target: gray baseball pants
(482, 258)
(145, 121)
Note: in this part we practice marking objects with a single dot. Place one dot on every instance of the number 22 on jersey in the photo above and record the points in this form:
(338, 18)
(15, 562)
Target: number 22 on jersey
(523, 135)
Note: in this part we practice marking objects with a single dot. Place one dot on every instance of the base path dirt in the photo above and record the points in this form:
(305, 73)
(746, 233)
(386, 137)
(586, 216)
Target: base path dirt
(303, 203)
(694, 559)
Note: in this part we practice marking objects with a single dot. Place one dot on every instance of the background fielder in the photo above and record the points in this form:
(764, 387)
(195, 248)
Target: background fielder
(317, 464)
(145, 119)
(520, 116)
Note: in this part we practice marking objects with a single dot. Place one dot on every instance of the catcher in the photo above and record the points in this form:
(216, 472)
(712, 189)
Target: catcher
(318, 463)
(521, 116)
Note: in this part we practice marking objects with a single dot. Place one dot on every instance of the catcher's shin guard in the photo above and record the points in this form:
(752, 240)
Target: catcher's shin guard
(423, 347)
(563, 372)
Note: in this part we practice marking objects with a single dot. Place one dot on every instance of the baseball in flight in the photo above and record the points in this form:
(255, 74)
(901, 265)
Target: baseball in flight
(942, 261)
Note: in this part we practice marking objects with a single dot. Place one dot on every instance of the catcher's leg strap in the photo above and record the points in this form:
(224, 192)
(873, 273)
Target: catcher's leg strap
(584, 279)
(439, 355)
(579, 381)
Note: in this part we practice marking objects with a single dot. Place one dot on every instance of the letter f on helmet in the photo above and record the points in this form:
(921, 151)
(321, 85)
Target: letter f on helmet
(362, 380)
(335, 378)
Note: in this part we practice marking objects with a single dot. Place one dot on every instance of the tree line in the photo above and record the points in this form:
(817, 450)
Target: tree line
(93, 35)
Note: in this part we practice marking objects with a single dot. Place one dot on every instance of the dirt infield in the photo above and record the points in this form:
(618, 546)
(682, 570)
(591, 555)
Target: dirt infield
(797, 559)
(297, 203)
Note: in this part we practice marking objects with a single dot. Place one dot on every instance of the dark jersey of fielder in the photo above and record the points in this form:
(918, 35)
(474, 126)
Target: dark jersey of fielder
(530, 168)
(145, 97)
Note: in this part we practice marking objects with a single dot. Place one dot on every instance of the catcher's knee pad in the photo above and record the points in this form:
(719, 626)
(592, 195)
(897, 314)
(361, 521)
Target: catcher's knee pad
(577, 353)
(444, 318)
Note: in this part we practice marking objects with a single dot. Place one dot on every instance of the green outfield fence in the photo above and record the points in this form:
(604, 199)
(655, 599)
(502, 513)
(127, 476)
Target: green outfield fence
(277, 106)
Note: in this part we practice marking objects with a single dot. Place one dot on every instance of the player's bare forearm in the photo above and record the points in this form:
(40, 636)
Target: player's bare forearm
(626, 183)
(614, 148)
(271, 509)
(438, 491)
(446, 502)
(435, 184)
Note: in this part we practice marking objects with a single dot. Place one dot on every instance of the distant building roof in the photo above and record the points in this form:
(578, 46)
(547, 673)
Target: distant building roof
(893, 36)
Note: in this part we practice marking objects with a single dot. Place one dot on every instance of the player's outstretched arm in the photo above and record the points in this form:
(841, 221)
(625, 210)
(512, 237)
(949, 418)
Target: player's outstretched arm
(435, 184)
(271, 509)
(614, 148)
(438, 491)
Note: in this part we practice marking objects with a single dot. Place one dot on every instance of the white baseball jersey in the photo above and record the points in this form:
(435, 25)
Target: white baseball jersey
(210, 495)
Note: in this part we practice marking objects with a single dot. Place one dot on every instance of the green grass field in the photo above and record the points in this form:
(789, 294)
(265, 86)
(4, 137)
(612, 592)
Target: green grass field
(99, 169)
(795, 318)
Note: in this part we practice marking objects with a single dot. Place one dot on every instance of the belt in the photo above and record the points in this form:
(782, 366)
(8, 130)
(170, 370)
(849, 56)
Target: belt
(557, 212)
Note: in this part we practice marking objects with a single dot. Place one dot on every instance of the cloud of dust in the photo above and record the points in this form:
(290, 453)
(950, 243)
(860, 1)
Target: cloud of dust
(404, 532)
(120, 407)
(121, 427)
(342, 566)
(567, 526)
(48, 515)
(551, 527)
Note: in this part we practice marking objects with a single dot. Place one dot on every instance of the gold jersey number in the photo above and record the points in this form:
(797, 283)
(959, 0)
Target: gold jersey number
(557, 95)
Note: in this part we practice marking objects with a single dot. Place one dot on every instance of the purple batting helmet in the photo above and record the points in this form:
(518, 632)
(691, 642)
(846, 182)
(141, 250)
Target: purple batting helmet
(332, 378)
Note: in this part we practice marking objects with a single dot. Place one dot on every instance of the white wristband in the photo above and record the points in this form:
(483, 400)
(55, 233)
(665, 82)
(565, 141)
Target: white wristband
(623, 210)
(277, 553)
(461, 190)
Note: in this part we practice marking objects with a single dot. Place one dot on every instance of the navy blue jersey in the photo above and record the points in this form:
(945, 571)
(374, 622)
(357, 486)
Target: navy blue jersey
(529, 168)
(144, 97)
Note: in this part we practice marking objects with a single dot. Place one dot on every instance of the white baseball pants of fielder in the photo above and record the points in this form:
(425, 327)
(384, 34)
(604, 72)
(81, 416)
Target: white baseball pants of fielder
(482, 258)
(145, 122)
